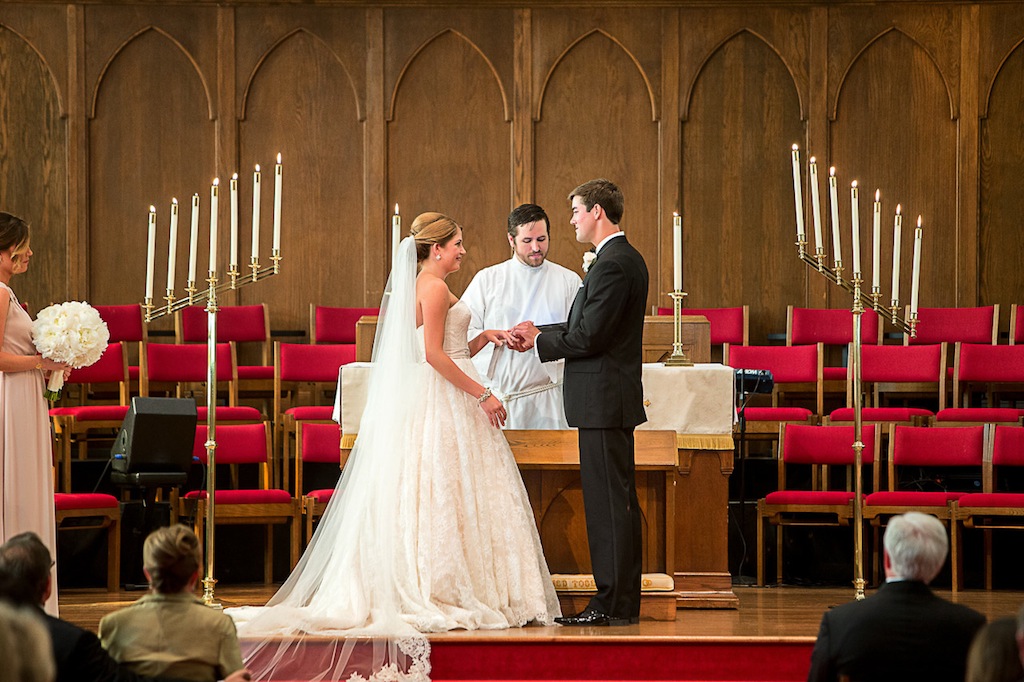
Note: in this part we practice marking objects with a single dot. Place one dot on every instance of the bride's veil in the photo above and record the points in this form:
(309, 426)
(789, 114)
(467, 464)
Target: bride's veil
(340, 611)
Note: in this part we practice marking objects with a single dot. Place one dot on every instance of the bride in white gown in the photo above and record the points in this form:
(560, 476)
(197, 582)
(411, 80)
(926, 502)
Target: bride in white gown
(430, 528)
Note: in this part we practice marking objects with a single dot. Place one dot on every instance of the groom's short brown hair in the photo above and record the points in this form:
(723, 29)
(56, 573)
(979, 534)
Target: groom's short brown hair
(603, 192)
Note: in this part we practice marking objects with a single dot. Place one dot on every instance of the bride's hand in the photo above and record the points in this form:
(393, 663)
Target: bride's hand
(499, 337)
(495, 411)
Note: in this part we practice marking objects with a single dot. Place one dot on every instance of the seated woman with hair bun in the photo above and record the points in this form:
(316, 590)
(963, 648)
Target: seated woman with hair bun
(169, 632)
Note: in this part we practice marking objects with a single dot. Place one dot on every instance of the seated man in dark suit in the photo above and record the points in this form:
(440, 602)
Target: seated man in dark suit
(904, 632)
(25, 580)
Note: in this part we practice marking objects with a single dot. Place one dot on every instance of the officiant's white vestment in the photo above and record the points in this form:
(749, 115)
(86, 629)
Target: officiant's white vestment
(501, 297)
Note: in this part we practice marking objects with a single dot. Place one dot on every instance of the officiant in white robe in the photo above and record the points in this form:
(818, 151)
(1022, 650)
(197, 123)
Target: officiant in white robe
(525, 287)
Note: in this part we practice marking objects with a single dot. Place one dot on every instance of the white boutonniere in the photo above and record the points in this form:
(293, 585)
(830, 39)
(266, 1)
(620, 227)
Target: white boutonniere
(588, 259)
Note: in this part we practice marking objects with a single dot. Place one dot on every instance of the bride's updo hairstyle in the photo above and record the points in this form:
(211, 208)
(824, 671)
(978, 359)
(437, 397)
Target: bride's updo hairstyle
(429, 229)
(171, 556)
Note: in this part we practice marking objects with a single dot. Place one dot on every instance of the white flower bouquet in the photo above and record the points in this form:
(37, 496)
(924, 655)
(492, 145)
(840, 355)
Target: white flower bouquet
(72, 333)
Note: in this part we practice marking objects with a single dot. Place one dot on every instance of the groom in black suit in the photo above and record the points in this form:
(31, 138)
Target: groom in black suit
(601, 344)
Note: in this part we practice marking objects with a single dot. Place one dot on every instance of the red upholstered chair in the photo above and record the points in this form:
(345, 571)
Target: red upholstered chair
(125, 323)
(236, 324)
(729, 326)
(173, 367)
(995, 370)
(795, 369)
(955, 325)
(892, 370)
(820, 448)
(336, 325)
(300, 366)
(315, 442)
(833, 328)
(90, 511)
(246, 444)
(915, 452)
(75, 423)
(997, 506)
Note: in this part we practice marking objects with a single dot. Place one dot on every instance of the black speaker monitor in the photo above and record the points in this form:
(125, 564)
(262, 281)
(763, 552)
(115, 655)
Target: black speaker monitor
(157, 436)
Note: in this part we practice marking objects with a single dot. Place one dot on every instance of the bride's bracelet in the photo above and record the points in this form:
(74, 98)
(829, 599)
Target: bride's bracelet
(484, 396)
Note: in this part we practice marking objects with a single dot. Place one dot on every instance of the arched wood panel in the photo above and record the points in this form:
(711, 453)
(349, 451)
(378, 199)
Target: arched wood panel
(738, 218)
(300, 103)
(893, 132)
(449, 149)
(151, 139)
(595, 121)
(33, 168)
(1001, 248)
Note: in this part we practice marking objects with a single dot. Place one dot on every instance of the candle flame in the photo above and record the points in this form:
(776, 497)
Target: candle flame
(216, 181)
(919, 221)
(897, 209)
(234, 176)
(396, 209)
(812, 161)
(152, 209)
(832, 171)
(257, 168)
(853, 184)
(878, 195)
(795, 147)
(675, 214)
(279, 157)
(174, 201)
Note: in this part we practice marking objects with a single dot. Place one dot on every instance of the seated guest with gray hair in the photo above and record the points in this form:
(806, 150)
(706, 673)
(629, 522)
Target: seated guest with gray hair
(904, 632)
(169, 631)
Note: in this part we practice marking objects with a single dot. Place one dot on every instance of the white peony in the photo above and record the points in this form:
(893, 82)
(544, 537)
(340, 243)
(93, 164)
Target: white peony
(72, 333)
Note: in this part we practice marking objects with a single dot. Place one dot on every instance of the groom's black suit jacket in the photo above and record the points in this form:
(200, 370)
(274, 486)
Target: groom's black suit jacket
(903, 632)
(601, 342)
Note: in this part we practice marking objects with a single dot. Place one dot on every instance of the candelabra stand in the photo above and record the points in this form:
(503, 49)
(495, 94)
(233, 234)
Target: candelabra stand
(209, 295)
(679, 358)
(860, 299)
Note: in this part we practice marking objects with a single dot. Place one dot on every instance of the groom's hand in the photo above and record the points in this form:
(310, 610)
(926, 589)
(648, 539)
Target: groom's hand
(526, 333)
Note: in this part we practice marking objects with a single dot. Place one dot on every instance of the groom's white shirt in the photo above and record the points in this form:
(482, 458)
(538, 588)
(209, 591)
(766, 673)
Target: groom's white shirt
(500, 297)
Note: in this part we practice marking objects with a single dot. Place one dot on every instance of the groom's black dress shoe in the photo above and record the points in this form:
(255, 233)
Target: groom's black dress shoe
(590, 617)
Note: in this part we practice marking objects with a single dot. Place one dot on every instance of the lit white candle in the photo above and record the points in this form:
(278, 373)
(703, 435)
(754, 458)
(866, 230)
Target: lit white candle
(915, 283)
(897, 238)
(214, 202)
(855, 219)
(876, 243)
(233, 256)
(798, 196)
(278, 173)
(256, 213)
(172, 245)
(193, 239)
(677, 252)
(833, 197)
(816, 206)
(151, 252)
(396, 234)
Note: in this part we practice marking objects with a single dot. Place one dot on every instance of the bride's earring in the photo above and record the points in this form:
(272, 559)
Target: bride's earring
(438, 257)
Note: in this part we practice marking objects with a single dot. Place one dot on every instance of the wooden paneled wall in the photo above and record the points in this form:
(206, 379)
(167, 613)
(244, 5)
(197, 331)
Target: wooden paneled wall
(471, 108)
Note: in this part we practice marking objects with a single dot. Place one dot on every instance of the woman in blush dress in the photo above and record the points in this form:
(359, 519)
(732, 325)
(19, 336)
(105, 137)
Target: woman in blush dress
(430, 528)
(26, 450)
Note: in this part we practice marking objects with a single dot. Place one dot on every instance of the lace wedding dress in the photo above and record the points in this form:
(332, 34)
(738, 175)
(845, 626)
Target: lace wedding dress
(430, 528)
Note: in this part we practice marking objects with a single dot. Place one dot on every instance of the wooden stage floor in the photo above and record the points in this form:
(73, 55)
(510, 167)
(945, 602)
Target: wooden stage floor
(764, 614)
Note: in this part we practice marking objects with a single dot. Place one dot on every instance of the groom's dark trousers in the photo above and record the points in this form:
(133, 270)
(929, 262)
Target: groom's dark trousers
(601, 344)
